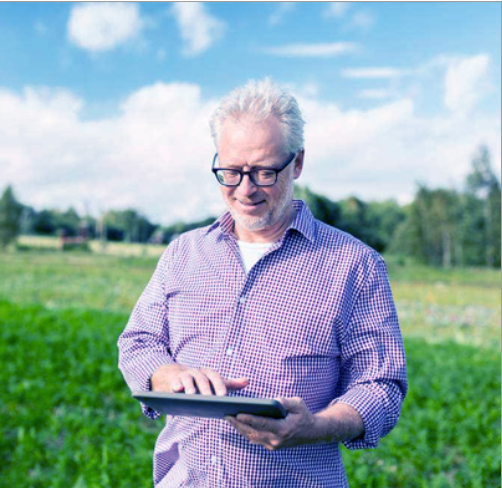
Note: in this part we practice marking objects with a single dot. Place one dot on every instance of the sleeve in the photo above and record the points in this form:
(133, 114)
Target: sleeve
(144, 343)
(373, 377)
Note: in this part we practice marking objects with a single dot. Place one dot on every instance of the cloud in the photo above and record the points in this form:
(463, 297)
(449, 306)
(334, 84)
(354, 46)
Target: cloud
(465, 83)
(99, 27)
(319, 50)
(384, 151)
(371, 73)
(375, 94)
(155, 153)
(279, 13)
(151, 156)
(362, 20)
(40, 28)
(198, 28)
(336, 9)
(354, 20)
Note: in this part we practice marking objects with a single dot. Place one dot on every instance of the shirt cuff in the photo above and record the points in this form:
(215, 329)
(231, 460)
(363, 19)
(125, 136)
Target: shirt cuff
(372, 411)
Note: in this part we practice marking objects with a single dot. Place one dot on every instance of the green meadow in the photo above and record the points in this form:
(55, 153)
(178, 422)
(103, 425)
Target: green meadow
(68, 419)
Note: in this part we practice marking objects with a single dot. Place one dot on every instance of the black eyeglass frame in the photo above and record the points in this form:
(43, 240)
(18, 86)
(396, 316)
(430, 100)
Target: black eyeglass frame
(252, 172)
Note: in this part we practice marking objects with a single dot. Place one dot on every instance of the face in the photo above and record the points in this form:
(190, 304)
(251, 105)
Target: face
(258, 211)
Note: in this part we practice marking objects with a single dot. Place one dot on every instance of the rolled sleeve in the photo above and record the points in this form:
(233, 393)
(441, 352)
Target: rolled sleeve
(144, 343)
(373, 367)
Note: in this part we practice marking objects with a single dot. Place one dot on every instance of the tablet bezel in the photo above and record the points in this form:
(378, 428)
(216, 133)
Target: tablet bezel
(209, 406)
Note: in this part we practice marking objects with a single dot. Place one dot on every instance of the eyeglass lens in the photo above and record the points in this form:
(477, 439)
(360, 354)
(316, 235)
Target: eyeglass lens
(258, 176)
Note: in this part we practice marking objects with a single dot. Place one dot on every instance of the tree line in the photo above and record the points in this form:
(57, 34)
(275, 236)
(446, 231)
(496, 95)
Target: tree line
(440, 227)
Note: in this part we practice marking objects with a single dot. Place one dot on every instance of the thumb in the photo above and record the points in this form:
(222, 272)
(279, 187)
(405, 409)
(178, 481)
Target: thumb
(292, 405)
(236, 383)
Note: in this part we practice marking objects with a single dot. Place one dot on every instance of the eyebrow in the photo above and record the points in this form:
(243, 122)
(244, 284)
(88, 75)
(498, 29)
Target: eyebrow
(253, 166)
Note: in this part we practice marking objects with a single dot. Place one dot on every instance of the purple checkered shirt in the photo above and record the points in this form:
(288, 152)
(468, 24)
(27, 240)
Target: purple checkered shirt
(313, 318)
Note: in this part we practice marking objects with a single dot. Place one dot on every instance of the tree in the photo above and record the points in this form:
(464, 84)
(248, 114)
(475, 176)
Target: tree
(323, 208)
(127, 225)
(430, 232)
(449, 228)
(10, 217)
(483, 185)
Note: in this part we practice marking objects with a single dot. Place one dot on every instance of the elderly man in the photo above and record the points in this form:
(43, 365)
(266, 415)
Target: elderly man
(266, 302)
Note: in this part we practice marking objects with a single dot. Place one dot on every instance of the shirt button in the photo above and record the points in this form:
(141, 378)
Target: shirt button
(230, 351)
(242, 300)
(214, 460)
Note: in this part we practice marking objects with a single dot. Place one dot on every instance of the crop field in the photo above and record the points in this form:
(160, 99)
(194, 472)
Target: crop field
(68, 420)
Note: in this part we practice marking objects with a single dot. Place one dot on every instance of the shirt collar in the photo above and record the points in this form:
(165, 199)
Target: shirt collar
(304, 222)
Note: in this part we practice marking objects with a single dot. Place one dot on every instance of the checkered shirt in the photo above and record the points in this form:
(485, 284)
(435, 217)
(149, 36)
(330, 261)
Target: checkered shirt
(313, 318)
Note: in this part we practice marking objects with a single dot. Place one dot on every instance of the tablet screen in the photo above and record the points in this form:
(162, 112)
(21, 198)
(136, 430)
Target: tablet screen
(209, 406)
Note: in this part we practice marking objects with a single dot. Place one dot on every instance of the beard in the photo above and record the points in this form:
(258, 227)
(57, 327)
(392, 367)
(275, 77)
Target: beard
(261, 222)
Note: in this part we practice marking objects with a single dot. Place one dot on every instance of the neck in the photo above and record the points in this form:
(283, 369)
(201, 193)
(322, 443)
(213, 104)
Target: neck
(270, 234)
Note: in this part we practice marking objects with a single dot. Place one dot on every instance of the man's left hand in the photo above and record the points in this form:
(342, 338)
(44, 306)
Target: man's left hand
(299, 426)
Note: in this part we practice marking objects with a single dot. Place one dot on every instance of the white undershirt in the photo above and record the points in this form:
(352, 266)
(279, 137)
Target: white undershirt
(251, 252)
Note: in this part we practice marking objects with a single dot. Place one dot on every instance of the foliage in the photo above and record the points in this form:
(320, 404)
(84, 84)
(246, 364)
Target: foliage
(68, 419)
(373, 222)
(53, 221)
(164, 235)
(449, 431)
(451, 228)
(10, 217)
(127, 225)
(441, 227)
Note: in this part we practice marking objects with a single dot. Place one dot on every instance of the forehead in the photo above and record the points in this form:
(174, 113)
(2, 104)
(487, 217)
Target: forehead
(246, 139)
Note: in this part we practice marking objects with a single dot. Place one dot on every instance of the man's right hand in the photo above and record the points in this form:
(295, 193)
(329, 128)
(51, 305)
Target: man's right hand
(176, 378)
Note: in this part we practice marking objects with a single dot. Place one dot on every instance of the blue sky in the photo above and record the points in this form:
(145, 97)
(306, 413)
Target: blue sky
(106, 105)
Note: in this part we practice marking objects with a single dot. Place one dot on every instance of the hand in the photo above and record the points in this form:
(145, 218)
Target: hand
(176, 378)
(298, 428)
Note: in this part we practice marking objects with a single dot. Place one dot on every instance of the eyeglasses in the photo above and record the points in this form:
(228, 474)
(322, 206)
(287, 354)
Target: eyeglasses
(259, 176)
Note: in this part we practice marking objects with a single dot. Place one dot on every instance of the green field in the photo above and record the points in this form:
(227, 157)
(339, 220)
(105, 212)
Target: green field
(68, 419)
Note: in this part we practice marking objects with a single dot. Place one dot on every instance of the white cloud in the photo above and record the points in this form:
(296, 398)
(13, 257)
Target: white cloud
(336, 9)
(362, 20)
(375, 94)
(280, 12)
(151, 156)
(155, 154)
(319, 50)
(357, 19)
(384, 151)
(101, 27)
(370, 73)
(40, 28)
(198, 28)
(466, 83)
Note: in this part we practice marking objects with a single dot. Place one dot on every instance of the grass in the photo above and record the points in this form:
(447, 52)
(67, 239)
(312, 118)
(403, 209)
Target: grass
(68, 419)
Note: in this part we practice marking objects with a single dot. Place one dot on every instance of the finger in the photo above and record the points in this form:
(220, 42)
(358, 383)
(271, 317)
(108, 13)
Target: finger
(236, 383)
(292, 405)
(254, 436)
(256, 422)
(202, 382)
(187, 382)
(176, 386)
(217, 382)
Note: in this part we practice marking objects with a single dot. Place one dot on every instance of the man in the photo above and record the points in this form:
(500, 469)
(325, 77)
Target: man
(267, 302)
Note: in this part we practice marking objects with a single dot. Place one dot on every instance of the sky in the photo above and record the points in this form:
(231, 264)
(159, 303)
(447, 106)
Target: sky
(106, 105)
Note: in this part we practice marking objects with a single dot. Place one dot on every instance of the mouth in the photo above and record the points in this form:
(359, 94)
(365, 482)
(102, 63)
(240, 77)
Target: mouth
(250, 205)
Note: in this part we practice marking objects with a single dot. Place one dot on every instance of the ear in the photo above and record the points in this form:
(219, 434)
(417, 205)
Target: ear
(299, 164)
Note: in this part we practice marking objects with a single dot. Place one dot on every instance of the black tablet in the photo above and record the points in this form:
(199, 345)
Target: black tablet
(209, 406)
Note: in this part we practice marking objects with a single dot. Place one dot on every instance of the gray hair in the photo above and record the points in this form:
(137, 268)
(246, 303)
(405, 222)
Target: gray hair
(261, 99)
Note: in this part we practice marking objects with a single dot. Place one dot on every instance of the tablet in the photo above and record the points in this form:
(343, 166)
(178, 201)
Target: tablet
(209, 406)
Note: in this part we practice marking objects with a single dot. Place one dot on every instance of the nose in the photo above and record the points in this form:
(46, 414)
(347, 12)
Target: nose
(246, 187)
